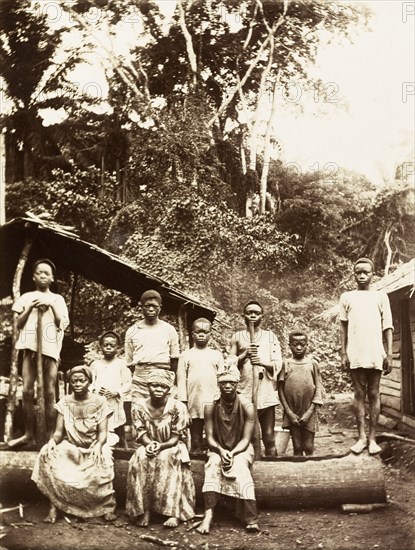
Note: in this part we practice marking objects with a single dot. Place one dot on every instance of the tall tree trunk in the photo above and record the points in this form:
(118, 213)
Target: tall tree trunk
(241, 83)
(27, 162)
(2, 179)
(183, 332)
(389, 249)
(189, 42)
(102, 186)
(267, 148)
(119, 182)
(259, 107)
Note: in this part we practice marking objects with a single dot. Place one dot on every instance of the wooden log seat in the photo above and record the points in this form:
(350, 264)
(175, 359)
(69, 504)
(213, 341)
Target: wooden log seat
(289, 482)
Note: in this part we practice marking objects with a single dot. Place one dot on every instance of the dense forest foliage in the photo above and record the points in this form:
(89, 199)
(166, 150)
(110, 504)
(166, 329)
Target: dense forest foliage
(176, 163)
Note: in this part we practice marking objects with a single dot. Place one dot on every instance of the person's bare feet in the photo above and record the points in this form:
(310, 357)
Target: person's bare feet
(270, 451)
(374, 448)
(171, 522)
(197, 451)
(143, 520)
(20, 441)
(110, 516)
(52, 516)
(252, 528)
(359, 446)
(206, 523)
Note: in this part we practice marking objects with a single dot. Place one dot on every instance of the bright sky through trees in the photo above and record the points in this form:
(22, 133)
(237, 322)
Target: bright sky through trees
(365, 124)
(375, 75)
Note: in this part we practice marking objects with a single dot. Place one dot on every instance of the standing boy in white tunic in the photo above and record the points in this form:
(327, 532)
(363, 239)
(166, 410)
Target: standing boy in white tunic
(54, 320)
(365, 318)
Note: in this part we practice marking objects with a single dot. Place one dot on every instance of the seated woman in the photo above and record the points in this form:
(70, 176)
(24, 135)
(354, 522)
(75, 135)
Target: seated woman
(229, 423)
(159, 477)
(75, 468)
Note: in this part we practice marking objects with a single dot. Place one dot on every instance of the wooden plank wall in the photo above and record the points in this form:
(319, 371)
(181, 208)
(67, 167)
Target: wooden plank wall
(391, 389)
(391, 385)
(412, 321)
(407, 352)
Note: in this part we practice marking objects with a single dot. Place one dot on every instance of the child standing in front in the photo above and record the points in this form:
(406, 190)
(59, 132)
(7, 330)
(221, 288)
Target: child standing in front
(54, 318)
(196, 379)
(365, 317)
(301, 393)
(112, 379)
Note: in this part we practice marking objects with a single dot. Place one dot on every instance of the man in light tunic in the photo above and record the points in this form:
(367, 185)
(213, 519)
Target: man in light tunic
(150, 344)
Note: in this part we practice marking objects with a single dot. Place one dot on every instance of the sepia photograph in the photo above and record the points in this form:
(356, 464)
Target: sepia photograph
(207, 274)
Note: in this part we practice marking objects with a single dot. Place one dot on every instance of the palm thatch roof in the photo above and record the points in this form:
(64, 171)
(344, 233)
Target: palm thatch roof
(71, 254)
(402, 278)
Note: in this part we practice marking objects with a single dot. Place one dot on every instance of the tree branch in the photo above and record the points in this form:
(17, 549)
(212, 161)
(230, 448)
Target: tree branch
(241, 83)
(252, 65)
(388, 248)
(117, 66)
(189, 42)
(267, 148)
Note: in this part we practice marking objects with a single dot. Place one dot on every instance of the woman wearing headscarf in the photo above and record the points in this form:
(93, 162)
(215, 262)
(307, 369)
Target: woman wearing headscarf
(159, 477)
(75, 468)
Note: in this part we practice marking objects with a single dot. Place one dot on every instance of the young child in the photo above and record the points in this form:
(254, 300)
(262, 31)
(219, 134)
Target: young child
(55, 319)
(196, 379)
(112, 379)
(300, 390)
(365, 317)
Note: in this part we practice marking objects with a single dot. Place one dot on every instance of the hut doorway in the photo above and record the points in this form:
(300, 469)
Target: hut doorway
(407, 356)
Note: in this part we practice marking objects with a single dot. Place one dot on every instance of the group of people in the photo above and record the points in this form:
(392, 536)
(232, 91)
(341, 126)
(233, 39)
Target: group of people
(200, 391)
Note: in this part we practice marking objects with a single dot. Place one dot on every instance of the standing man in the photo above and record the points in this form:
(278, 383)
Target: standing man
(150, 344)
(229, 423)
(264, 351)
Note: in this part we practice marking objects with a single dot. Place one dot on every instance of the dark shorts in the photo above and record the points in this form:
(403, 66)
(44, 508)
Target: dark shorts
(365, 377)
(46, 360)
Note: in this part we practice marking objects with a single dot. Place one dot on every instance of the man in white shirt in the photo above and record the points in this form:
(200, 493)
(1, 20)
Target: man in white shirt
(150, 343)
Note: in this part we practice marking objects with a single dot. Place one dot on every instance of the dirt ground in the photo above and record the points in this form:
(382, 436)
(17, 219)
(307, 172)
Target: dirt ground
(390, 528)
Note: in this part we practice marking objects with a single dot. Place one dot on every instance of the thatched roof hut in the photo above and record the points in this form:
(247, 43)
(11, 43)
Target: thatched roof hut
(24, 240)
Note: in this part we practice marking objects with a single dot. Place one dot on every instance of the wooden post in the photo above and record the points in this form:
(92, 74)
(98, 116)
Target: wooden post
(74, 289)
(183, 334)
(40, 392)
(256, 436)
(11, 398)
(2, 178)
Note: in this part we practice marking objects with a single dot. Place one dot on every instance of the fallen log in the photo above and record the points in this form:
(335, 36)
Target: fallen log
(362, 508)
(289, 482)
